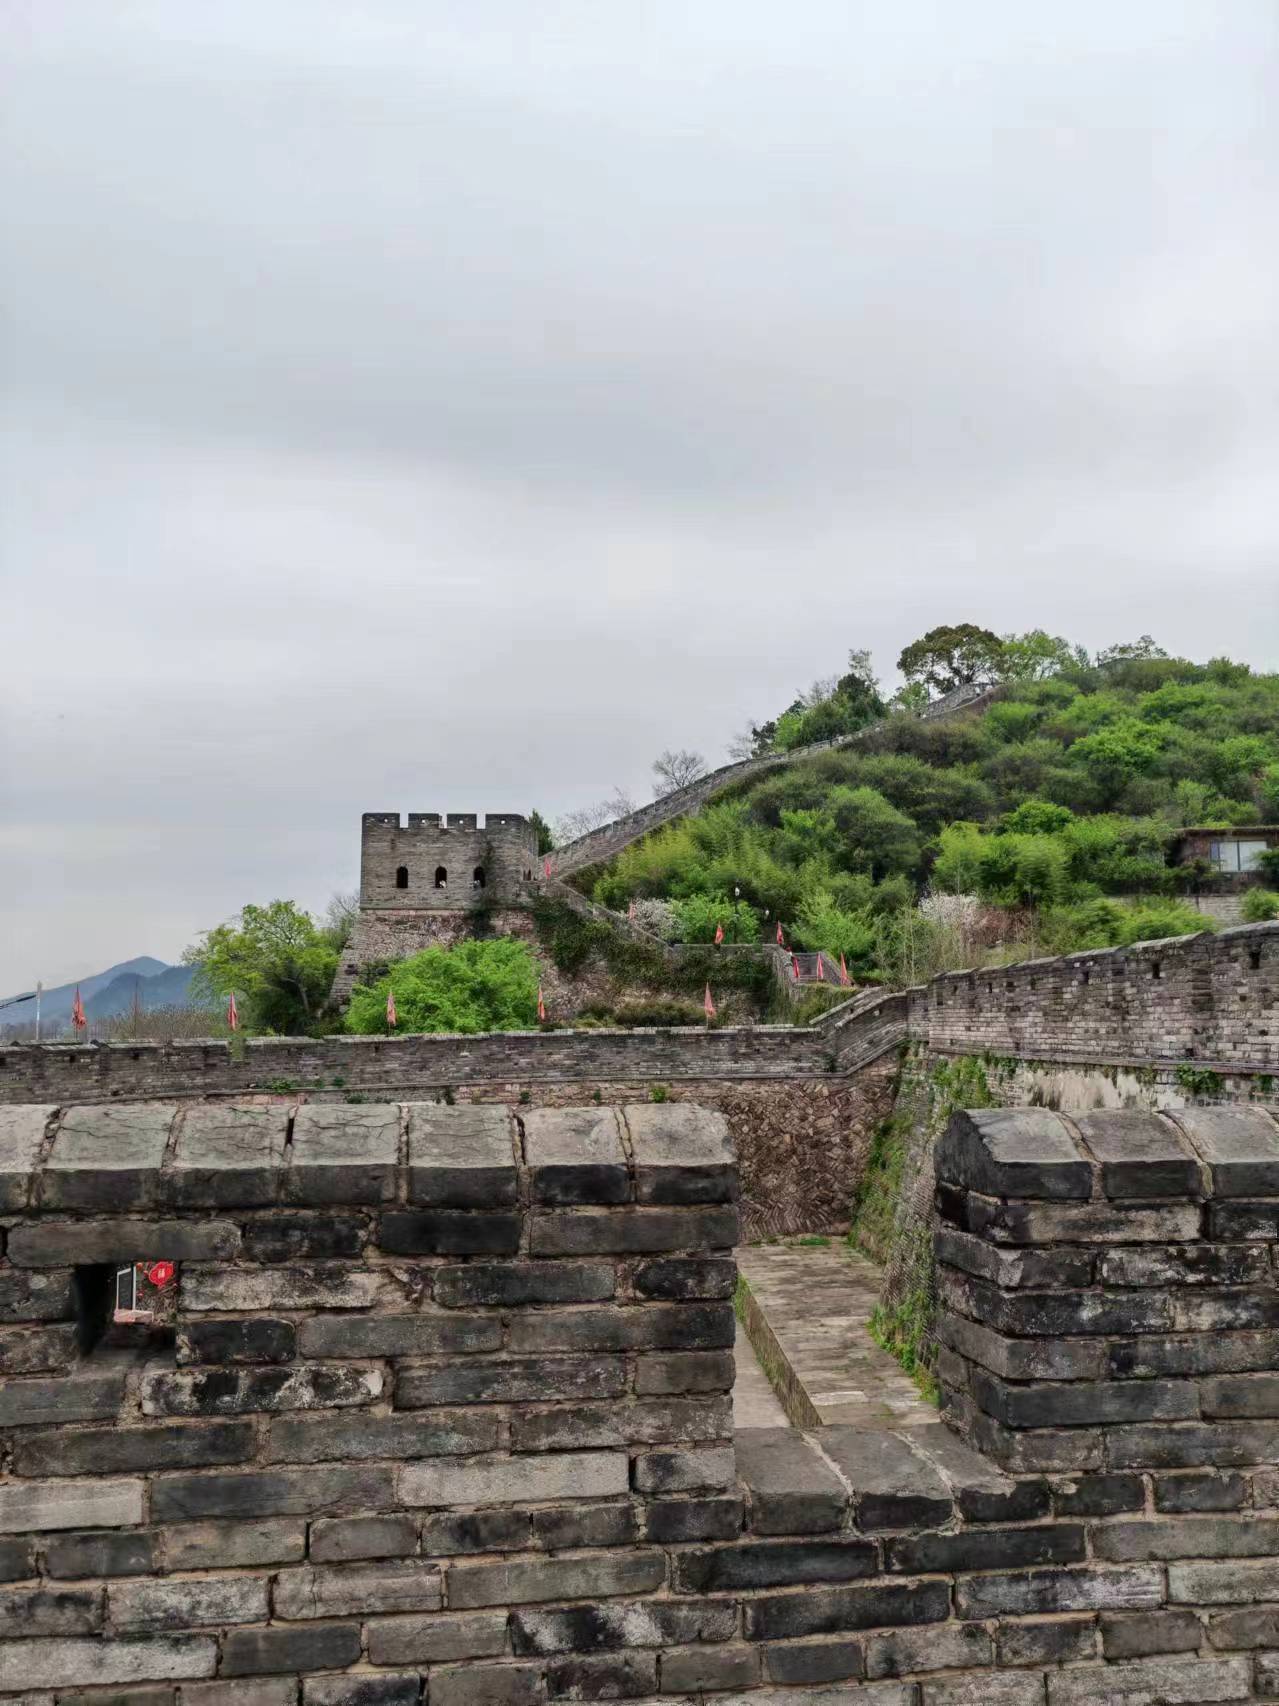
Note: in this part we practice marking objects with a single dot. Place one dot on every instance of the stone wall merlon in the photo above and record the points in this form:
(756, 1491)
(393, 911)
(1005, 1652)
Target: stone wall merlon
(151, 1157)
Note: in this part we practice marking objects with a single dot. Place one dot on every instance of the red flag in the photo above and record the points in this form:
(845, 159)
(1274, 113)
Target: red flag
(719, 934)
(630, 912)
(794, 966)
(546, 867)
(77, 1011)
(821, 975)
(392, 1017)
(232, 1013)
(781, 940)
(708, 1004)
(843, 970)
(541, 1006)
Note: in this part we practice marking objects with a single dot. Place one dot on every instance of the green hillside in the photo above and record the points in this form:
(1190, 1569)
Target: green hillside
(1039, 824)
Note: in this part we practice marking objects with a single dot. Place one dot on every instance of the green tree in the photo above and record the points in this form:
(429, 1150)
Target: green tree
(1035, 655)
(487, 985)
(951, 656)
(276, 960)
(542, 829)
(698, 917)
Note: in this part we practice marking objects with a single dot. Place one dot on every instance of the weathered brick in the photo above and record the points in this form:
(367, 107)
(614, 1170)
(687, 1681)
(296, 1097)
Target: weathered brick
(36, 1296)
(1030, 1592)
(404, 1689)
(893, 1485)
(1171, 1681)
(515, 1480)
(255, 1691)
(419, 1334)
(674, 1420)
(101, 1553)
(1258, 1626)
(405, 1584)
(1084, 1402)
(511, 1284)
(710, 1467)
(82, 1396)
(670, 1521)
(823, 1611)
(816, 1661)
(1200, 1353)
(107, 1157)
(487, 1685)
(343, 1154)
(300, 1235)
(51, 1611)
(1236, 1582)
(187, 1604)
(1021, 1152)
(521, 1380)
(1247, 1536)
(1022, 1359)
(575, 1155)
(1053, 1314)
(1136, 1635)
(585, 1525)
(449, 1232)
(1185, 1264)
(792, 1489)
(474, 1585)
(257, 1291)
(683, 1153)
(22, 1134)
(17, 1559)
(959, 1646)
(335, 1539)
(65, 1662)
(603, 1676)
(990, 1690)
(447, 1533)
(773, 1563)
(1098, 1495)
(1045, 1640)
(64, 1243)
(116, 1450)
(710, 1667)
(40, 1505)
(987, 1549)
(632, 1231)
(235, 1391)
(436, 1640)
(599, 1628)
(1193, 1445)
(271, 1492)
(227, 1156)
(461, 1157)
(684, 1278)
(684, 1371)
(654, 1326)
(1200, 1492)
(253, 1338)
(248, 1541)
(319, 1646)
(345, 1437)
(36, 1350)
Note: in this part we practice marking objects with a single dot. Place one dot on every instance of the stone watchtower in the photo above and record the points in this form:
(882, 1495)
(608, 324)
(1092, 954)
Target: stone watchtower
(423, 881)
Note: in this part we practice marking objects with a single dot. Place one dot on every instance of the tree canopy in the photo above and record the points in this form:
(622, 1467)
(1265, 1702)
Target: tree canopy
(488, 984)
(276, 960)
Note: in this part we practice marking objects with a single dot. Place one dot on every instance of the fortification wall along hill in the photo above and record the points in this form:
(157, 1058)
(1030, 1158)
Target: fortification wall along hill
(1208, 1001)
(445, 1417)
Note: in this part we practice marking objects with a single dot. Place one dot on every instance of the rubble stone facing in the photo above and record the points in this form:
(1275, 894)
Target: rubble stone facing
(466, 1438)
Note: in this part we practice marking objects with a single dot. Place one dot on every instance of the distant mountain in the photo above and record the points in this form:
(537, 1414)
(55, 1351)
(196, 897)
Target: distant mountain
(170, 987)
(108, 993)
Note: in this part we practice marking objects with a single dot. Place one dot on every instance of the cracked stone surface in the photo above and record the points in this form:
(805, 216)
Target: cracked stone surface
(817, 1301)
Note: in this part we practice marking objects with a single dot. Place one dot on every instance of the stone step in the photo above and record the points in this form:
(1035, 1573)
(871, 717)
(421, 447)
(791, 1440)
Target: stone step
(806, 1309)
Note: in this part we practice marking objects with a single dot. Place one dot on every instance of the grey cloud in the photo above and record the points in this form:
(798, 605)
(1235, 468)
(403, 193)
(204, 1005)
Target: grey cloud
(409, 406)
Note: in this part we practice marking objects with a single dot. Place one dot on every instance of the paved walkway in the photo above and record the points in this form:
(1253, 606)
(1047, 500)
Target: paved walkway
(808, 1322)
(755, 1404)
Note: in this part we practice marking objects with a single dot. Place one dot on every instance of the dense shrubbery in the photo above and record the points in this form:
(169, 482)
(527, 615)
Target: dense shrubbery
(1055, 808)
(488, 985)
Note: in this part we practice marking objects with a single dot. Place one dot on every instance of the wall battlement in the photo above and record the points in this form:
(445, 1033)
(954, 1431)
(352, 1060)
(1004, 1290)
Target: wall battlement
(445, 1416)
(455, 864)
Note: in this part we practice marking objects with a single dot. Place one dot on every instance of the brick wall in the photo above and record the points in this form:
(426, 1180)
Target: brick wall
(445, 1421)
(504, 848)
(1212, 1000)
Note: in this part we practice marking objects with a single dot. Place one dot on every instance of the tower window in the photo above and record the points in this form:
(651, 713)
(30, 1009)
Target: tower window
(477, 878)
(441, 877)
(401, 876)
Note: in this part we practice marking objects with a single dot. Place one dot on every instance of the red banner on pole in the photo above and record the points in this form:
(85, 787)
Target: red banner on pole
(541, 1006)
(719, 934)
(708, 1004)
(392, 1017)
(232, 1013)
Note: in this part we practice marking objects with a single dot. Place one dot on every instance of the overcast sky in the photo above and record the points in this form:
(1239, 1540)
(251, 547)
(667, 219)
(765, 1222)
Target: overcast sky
(433, 405)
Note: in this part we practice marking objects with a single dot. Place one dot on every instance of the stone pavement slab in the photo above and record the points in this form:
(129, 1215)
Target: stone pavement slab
(807, 1316)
